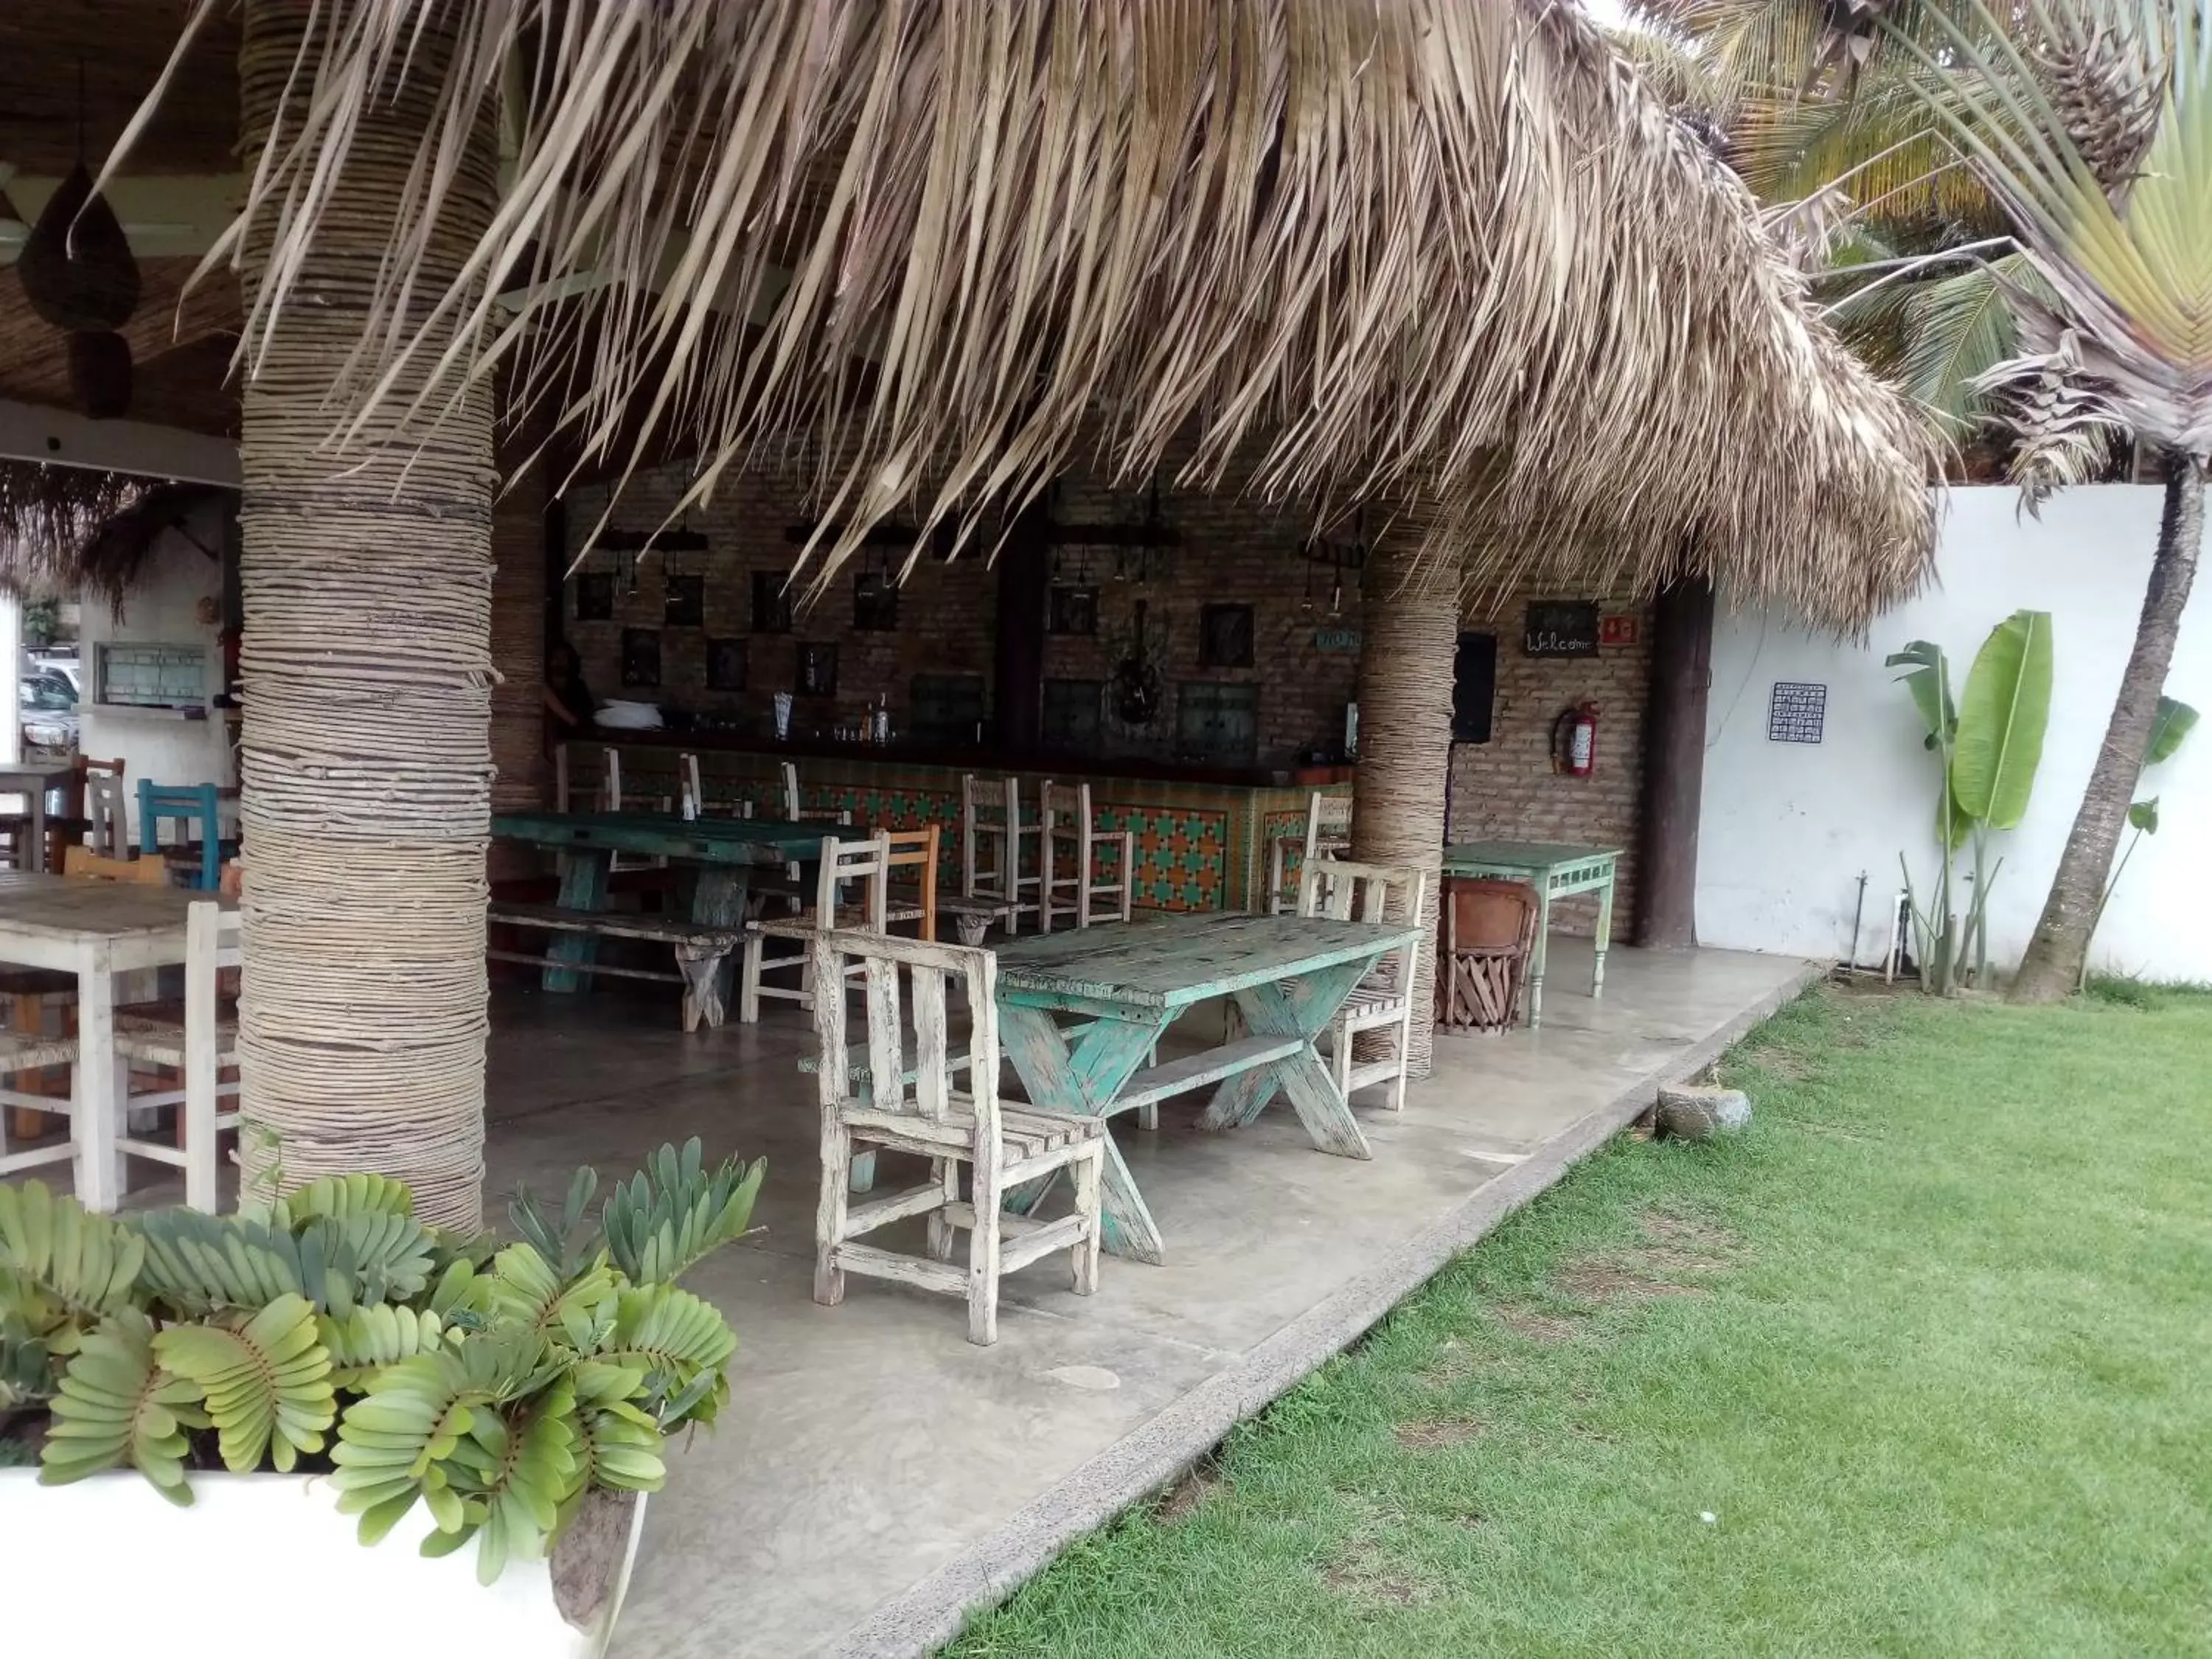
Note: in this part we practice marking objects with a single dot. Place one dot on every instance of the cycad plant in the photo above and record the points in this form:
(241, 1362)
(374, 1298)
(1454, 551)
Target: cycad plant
(332, 1329)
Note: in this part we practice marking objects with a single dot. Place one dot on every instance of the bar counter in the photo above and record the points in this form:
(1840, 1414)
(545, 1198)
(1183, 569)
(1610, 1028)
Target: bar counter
(1202, 832)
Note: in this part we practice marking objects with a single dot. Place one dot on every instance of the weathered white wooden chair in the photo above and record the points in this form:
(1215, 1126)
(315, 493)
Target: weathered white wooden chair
(22, 1052)
(923, 1115)
(864, 864)
(991, 822)
(198, 1039)
(1385, 1000)
(1071, 834)
(611, 800)
(1327, 833)
(694, 802)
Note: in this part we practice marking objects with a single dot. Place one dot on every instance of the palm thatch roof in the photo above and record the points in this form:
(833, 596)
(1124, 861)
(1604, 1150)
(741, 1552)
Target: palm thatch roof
(81, 531)
(1443, 257)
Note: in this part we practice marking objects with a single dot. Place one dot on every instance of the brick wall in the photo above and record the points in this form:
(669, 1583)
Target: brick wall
(1505, 789)
(1234, 552)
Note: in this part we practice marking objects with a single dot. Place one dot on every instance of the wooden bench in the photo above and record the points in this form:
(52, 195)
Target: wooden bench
(701, 948)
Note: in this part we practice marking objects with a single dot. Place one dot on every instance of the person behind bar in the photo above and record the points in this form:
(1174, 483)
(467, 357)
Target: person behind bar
(570, 708)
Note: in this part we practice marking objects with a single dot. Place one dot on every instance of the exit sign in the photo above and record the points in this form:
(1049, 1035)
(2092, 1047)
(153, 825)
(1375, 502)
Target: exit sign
(1617, 630)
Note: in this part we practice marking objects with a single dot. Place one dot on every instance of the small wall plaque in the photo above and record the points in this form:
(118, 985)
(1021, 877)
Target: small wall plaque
(1617, 630)
(1797, 711)
(1337, 641)
(1560, 627)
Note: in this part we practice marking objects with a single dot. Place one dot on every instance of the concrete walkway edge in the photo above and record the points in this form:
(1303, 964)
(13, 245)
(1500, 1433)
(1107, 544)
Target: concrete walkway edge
(932, 1611)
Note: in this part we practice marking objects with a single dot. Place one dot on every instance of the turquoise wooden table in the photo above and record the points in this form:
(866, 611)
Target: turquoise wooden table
(718, 856)
(1080, 1012)
(1555, 870)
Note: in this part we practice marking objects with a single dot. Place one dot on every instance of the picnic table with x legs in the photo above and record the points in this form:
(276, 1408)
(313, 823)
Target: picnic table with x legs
(718, 856)
(1117, 989)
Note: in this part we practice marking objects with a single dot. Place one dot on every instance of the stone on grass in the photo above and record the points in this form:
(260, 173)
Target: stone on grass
(1696, 1112)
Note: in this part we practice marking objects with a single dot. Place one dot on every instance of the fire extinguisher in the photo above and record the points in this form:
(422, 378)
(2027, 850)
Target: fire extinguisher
(1574, 741)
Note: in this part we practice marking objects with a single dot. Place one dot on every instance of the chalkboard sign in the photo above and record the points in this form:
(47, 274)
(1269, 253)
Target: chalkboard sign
(1560, 627)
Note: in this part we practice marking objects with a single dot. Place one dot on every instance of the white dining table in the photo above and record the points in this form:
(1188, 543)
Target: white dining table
(34, 779)
(94, 930)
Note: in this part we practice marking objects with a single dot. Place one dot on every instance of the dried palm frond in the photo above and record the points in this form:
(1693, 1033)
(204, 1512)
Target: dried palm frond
(2067, 427)
(47, 513)
(1424, 253)
(77, 530)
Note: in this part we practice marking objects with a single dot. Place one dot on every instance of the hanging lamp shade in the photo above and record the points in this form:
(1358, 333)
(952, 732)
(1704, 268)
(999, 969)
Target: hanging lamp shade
(76, 265)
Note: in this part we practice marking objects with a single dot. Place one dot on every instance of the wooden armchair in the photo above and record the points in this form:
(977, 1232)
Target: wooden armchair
(1384, 1001)
(1486, 932)
(921, 1115)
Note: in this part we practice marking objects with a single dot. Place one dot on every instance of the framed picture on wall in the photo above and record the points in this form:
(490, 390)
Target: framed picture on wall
(595, 595)
(728, 661)
(875, 602)
(684, 602)
(641, 658)
(1224, 636)
(771, 603)
(1074, 610)
(817, 669)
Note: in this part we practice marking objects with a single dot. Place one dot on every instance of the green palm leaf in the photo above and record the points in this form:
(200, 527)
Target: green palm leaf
(267, 1383)
(119, 1408)
(683, 1344)
(510, 1479)
(348, 1196)
(522, 1290)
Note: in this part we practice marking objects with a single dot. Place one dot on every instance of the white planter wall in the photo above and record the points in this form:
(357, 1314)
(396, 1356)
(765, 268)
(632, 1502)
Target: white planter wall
(1787, 828)
(265, 1563)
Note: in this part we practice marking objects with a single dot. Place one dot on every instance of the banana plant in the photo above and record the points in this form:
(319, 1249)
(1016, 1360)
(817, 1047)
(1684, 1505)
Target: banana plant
(331, 1330)
(2174, 721)
(1989, 746)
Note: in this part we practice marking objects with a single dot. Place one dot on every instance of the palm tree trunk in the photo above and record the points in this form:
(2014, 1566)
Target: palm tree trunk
(367, 575)
(2053, 967)
(1410, 630)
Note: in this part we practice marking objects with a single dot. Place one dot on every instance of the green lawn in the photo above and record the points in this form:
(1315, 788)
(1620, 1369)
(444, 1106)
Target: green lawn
(1920, 1365)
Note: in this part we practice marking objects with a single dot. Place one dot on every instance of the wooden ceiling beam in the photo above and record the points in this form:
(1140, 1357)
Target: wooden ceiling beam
(29, 432)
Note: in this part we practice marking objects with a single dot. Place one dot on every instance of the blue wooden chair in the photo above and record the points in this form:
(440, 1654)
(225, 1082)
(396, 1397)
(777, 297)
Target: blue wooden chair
(190, 804)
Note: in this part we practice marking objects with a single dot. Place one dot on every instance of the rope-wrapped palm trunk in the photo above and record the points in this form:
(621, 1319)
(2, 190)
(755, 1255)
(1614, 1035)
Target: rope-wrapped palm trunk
(367, 578)
(1409, 631)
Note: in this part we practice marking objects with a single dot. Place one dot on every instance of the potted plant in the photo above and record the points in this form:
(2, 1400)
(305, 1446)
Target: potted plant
(273, 1373)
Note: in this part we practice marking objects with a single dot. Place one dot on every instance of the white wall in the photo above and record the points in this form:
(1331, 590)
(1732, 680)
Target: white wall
(1787, 828)
(163, 606)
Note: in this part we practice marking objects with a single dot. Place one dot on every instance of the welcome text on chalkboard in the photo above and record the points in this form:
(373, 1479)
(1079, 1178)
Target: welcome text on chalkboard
(1560, 627)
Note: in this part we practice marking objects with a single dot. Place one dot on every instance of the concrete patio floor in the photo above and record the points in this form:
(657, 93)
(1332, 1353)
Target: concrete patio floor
(875, 1476)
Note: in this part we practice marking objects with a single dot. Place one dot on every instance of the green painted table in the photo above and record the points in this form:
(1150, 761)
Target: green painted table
(719, 854)
(1554, 870)
(1119, 988)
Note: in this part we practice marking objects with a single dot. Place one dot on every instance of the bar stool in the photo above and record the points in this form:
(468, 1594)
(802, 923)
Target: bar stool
(1068, 824)
(1327, 833)
(194, 805)
(991, 814)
